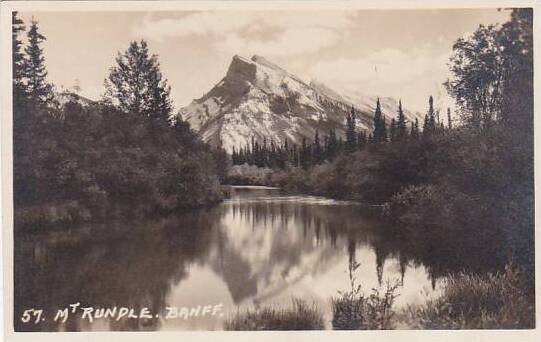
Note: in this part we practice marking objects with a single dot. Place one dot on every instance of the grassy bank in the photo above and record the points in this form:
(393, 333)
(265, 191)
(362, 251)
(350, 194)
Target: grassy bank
(488, 301)
(468, 301)
(299, 316)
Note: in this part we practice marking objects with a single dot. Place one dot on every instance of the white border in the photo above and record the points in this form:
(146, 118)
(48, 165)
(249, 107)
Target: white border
(297, 336)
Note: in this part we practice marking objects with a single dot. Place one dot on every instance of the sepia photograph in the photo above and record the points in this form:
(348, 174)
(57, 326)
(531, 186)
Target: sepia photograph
(249, 167)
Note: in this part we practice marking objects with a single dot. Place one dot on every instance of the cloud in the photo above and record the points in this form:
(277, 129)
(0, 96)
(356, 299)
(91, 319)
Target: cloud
(389, 72)
(290, 42)
(389, 66)
(293, 33)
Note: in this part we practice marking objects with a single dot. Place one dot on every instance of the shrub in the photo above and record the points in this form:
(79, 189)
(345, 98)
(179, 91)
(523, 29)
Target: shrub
(353, 310)
(248, 175)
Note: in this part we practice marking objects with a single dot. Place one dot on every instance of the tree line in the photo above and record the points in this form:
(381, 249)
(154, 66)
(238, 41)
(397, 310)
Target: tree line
(281, 154)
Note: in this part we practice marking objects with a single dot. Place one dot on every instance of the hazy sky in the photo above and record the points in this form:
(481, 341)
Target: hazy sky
(402, 54)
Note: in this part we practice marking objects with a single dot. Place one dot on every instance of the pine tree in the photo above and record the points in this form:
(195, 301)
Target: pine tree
(393, 131)
(384, 136)
(136, 83)
(380, 129)
(332, 149)
(401, 130)
(273, 160)
(431, 113)
(426, 124)
(305, 154)
(17, 25)
(449, 121)
(35, 73)
(351, 144)
(234, 157)
(429, 127)
(376, 136)
(318, 152)
(264, 153)
(415, 129)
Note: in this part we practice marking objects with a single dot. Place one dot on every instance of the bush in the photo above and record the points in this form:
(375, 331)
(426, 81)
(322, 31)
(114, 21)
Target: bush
(353, 310)
(300, 316)
(248, 175)
(103, 160)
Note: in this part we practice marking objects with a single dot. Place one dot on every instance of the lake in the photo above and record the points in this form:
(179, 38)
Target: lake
(260, 247)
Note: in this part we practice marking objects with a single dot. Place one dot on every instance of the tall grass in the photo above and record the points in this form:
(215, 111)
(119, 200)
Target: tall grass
(488, 301)
(299, 316)
(353, 310)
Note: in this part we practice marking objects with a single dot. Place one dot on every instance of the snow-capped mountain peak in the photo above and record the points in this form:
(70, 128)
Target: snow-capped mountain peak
(259, 99)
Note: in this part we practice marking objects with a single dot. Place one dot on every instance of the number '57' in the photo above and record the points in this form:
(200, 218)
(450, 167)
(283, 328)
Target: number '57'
(31, 313)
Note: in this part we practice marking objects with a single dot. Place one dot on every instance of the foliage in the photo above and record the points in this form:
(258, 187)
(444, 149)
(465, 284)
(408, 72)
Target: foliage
(379, 134)
(352, 310)
(18, 56)
(351, 135)
(136, 83)
(34, 71)
(248, 174)
(489, 301)
(300, 316)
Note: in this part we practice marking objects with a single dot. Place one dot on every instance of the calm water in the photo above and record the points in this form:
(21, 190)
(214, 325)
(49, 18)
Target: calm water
(258, 248)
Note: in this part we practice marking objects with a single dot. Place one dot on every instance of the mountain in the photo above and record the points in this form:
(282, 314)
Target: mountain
(259, 99)
(68, 96)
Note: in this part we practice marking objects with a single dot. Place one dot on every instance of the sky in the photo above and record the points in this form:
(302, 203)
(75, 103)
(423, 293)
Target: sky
(397, 53)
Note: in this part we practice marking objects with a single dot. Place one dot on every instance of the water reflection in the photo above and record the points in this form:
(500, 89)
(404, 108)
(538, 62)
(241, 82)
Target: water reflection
(258, 248)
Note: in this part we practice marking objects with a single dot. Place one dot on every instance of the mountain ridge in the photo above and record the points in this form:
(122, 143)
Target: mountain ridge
(257, 98)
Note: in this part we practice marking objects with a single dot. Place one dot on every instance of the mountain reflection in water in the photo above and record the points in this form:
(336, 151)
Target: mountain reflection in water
(258, 248)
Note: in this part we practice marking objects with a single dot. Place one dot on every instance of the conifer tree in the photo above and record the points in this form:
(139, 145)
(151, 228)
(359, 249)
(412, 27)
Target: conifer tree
(34, 71)
(351, 144)
(449, 121)
(326, 147)
(332, 149)
(378, 119)
(136, 83)
(393, 131)
(384, 136)
(318, 152)
(414, 133)
(401, 130)
(429, 126)
(234, 156)
(264, 153)
(426, 124)
(272, 155)
(305, 154)
(17, 25)
(380, 129)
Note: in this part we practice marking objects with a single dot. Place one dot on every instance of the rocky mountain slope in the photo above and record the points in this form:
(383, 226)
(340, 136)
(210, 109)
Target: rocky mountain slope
(260, 99)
